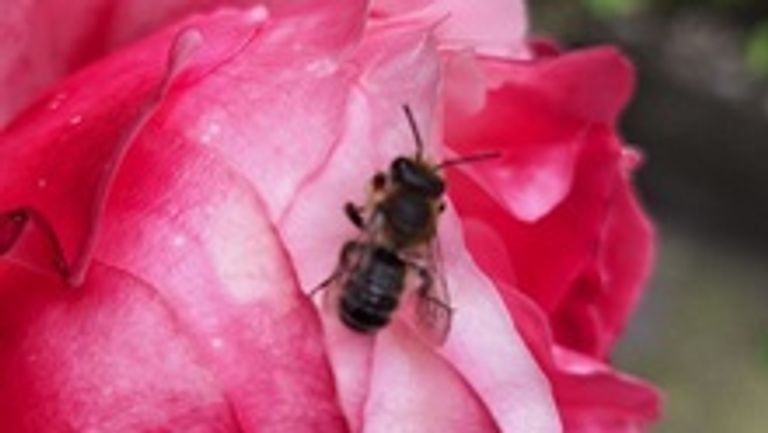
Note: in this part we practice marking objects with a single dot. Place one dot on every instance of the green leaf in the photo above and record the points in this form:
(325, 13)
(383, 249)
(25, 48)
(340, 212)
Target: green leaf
(757, 49)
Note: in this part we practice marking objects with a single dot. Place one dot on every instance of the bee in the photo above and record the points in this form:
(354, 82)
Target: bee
(398, 237)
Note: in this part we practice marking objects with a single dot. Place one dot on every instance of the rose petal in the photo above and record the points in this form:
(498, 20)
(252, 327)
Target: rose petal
(591, 397)
(484, 344)
(88, 360)
(68, 194)
(495, 27)
(537, 115)
(414, 390)
(609, 288)
(546, 256)
(47, 39)
(178, 206)
(257, 110)
(594, 398)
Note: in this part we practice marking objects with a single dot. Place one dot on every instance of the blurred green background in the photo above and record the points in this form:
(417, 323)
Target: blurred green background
(701, 116)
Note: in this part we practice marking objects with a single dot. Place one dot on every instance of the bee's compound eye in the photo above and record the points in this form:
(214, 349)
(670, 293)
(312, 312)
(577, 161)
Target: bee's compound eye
(416, 177)
(400, 169)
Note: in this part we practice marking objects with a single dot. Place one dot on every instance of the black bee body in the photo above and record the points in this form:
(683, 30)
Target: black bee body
(372, 291)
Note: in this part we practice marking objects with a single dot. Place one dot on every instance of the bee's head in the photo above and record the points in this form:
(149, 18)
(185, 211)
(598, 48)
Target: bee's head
(416, 176)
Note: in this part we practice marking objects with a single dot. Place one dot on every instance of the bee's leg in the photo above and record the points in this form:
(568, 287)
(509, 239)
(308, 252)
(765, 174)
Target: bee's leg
(343, 266)
(354, 214)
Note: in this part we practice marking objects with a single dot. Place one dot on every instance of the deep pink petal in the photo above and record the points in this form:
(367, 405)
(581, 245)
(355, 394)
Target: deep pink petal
(109, 357)
(44, 40)
(547, 256)
(67, 194)
(555, 196)
(537, 114)
(495, 27)
(608, 289)
(595, 398)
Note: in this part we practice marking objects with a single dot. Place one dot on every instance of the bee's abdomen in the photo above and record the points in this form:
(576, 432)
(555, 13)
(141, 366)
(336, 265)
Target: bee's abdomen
(372, 293)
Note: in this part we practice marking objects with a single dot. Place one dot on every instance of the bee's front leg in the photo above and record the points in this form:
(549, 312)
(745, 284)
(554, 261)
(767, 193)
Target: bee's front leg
(355, 214)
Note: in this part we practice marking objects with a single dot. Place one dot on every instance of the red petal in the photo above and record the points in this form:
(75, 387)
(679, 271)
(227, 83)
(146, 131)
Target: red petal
(608, 289)
(538, 118)
(558, 181)
(547, 255)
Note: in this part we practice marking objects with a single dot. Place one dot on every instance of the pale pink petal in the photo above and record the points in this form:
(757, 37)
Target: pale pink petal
(496, 27)
(413, 389)
(485, 347)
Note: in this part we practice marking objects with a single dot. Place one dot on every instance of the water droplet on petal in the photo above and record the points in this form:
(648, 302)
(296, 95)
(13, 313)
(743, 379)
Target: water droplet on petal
(258, 14)
(76, 120)
(187, 42)
(57, 100)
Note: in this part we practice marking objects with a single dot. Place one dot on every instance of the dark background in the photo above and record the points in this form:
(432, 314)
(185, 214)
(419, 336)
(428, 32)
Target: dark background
(701, 116)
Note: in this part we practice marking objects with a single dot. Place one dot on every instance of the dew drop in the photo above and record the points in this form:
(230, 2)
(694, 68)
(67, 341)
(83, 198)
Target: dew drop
(188, 41)
(258, 14)
(56, 101)
(76, 120)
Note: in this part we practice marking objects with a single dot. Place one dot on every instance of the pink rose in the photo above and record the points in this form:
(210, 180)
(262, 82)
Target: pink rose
(164, 210)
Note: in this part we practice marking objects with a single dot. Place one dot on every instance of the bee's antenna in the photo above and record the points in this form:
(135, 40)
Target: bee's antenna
(415, 131)
(468, 159)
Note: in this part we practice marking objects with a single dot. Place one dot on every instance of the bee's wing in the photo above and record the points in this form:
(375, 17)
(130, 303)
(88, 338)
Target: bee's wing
(431, 308)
